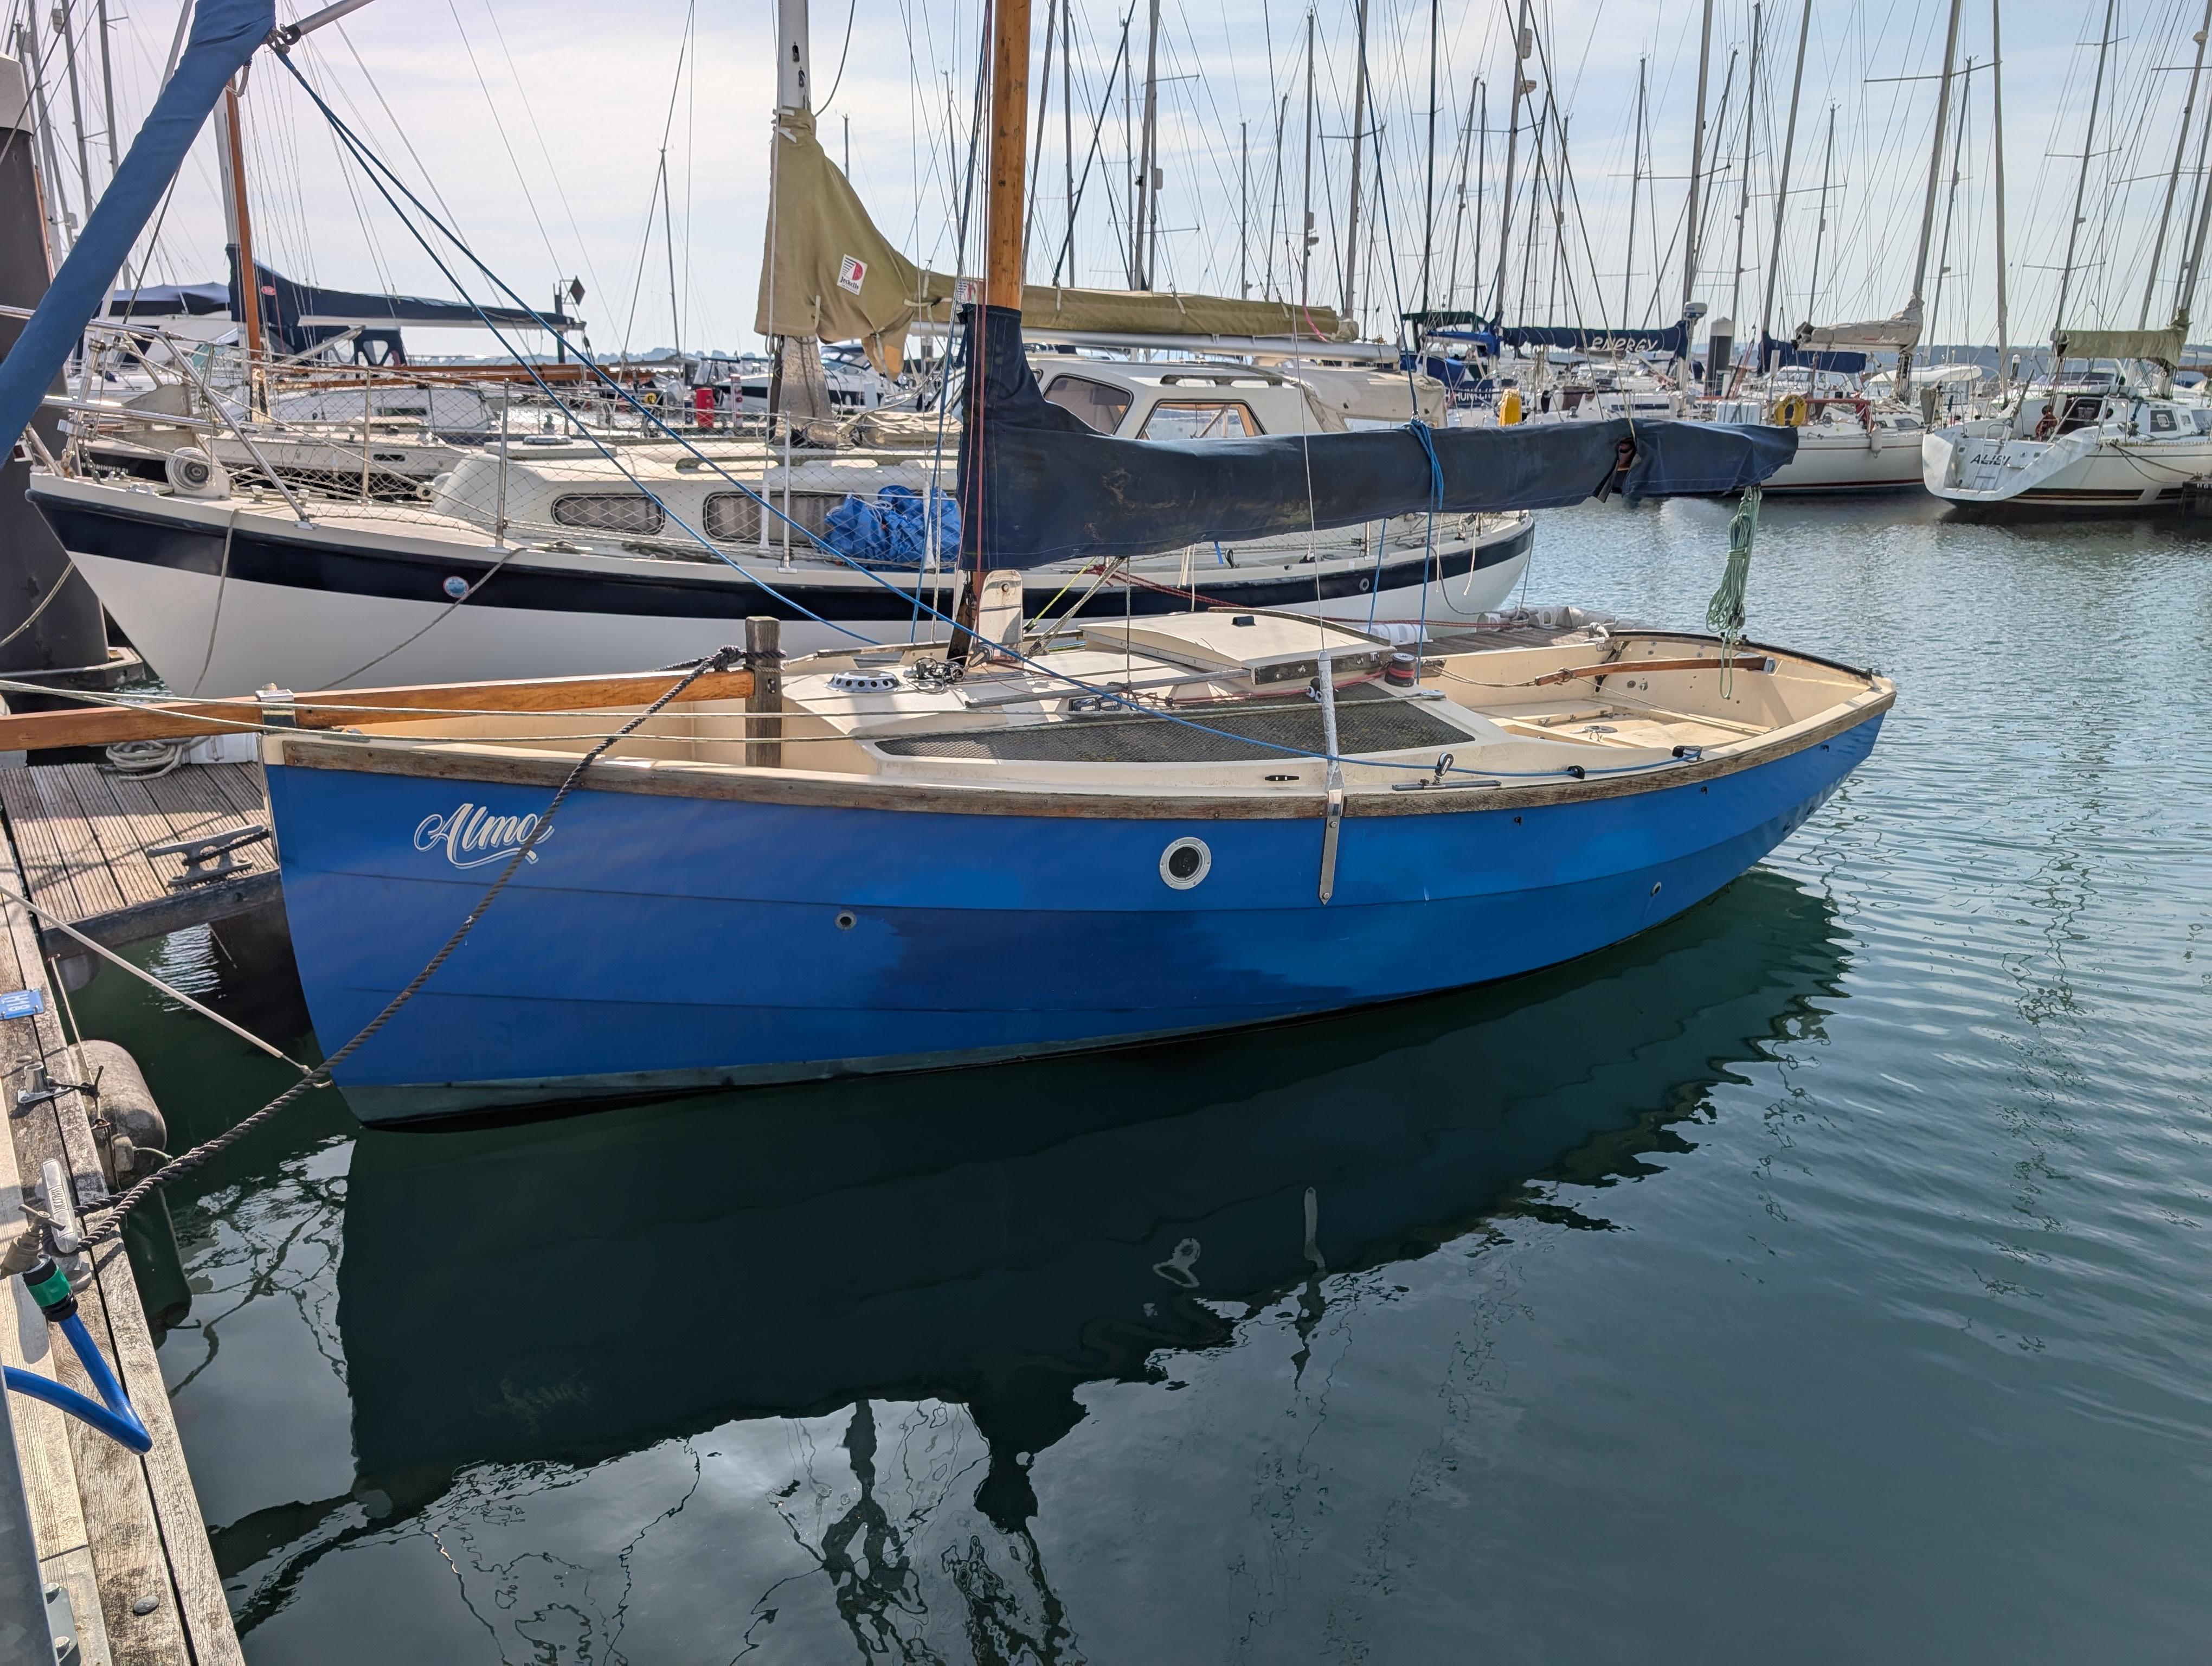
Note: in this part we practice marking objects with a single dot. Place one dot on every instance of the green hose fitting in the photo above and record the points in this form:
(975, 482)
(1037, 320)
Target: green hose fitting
(50, 1288)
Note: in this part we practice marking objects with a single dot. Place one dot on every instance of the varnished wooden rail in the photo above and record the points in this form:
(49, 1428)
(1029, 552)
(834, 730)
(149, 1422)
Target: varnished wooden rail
(1618, 667)
(338, 708)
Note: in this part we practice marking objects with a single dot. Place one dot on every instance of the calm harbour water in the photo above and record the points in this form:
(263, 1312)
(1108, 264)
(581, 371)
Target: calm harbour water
(1822, 1276)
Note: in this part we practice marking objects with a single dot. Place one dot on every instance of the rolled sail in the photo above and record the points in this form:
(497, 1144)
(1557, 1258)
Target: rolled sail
(830, 275)
(1038, 484)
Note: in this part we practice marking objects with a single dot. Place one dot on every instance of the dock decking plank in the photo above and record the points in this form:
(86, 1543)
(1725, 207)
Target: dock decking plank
(37, 844)
(124, 833)
(81, 833)
(73, 835)
(141, 1516)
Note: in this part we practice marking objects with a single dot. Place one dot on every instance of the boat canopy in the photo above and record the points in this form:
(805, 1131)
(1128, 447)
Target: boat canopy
(2161, 347)
(1901, 330)
(829, 274)
(1039, 484)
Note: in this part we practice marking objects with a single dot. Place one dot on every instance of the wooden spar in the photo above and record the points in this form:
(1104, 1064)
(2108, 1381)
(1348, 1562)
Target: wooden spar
(1010, 121)
(1002, 269)
(232, 153)
(1615, 667)
(338, 708)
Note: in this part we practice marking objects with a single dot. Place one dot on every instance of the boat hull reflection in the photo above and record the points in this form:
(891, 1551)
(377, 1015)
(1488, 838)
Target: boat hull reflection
(579, 1289)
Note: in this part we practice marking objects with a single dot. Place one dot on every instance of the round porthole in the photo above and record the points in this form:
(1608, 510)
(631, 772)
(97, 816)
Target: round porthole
(456, 586)
(1185, 862)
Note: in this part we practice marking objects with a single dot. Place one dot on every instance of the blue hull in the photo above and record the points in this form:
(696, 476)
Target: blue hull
(661, 943)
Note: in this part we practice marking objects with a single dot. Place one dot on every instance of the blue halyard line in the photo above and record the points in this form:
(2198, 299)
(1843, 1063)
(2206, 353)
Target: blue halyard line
(376, 166)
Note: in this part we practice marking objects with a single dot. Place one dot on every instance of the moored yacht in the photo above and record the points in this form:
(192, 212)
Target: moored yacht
(2089, 439)
(559, 554)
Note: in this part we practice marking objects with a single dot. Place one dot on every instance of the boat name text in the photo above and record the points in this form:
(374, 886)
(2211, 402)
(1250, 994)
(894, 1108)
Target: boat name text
(473, 834)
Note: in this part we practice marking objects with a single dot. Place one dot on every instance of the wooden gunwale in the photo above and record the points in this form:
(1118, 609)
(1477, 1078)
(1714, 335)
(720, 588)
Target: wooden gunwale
(498, 765)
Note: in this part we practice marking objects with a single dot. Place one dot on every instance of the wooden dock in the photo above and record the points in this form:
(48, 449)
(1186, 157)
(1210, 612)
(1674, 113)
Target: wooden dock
(82, 835)
(121, 1535)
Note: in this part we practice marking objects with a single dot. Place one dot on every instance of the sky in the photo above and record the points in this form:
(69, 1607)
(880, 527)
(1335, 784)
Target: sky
(627, 146)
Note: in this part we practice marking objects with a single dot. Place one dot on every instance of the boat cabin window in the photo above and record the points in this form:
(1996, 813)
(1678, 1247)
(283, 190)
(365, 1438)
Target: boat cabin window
(1200, 419)
(2081, 411)
(735, 517)
(631, 512)
(2161, 422)
(1101, 407)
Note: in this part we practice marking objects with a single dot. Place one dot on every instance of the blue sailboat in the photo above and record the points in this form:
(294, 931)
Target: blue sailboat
(1054, 838)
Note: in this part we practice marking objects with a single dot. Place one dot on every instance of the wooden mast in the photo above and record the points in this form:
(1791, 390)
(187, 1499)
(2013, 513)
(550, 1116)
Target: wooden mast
(231, 153)
(1002, 286)
(1010, 132)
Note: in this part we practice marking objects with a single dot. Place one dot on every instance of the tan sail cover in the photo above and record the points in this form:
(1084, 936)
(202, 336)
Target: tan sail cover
(1899, 331)
(2158, 346)
(829, 274)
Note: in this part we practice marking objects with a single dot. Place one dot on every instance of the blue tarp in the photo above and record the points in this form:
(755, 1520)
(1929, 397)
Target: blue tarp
(894, 530)
(1038, 484)
(224, 35)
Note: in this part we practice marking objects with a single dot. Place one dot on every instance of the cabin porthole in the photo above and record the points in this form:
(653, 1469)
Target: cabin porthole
(846, 919)
(456, 586)
(1185, 862)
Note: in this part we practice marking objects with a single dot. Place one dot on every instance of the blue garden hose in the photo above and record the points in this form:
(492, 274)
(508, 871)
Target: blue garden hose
(113, 1413)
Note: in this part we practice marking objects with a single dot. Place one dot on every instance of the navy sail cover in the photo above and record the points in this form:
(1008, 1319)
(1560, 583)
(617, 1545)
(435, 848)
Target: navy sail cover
(1038, 484)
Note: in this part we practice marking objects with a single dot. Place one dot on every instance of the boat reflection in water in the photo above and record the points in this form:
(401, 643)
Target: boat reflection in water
(572, 1291)
(579, 1289)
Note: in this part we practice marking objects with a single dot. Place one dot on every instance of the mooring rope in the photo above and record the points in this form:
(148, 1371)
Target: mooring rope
(1724, 613)
(319, 1077)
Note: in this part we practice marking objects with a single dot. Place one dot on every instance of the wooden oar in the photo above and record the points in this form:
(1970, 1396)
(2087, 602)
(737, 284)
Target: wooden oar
(338, 708)
(1616, 667)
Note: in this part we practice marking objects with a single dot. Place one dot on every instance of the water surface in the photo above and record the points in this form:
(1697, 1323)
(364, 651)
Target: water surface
(1821, 1276)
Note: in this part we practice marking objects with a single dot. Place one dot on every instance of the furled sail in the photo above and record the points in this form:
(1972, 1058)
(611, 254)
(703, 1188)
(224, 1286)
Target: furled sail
(829, 274)
(1901, 330)
(1673, 340)
(1038, 484)
(2157, 346)
(296, 316)
(1594, 338)
(225, 33)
